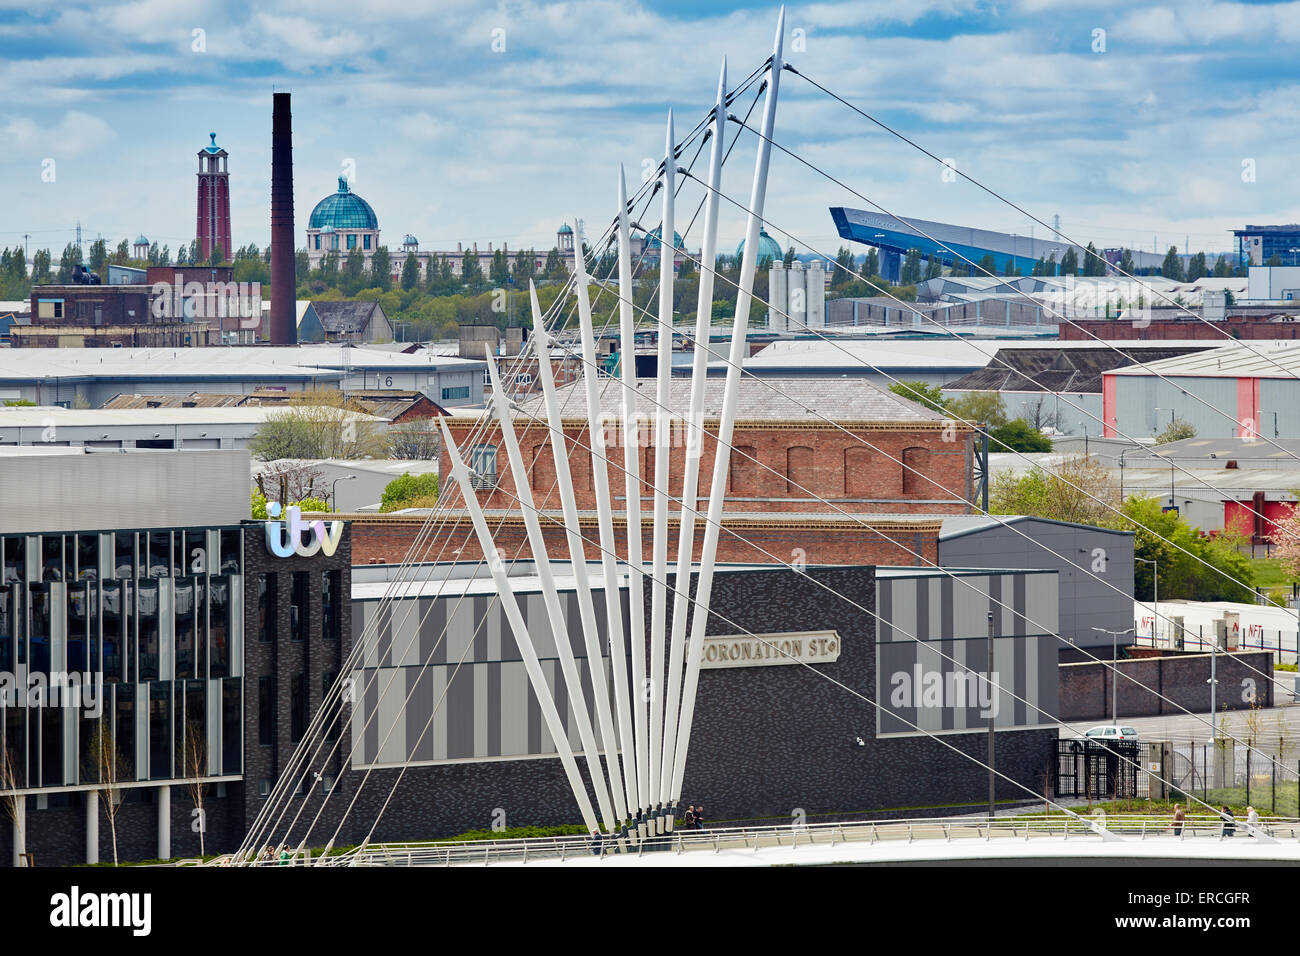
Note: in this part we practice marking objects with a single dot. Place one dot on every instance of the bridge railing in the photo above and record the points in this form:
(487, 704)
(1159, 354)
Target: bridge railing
(1023, 827)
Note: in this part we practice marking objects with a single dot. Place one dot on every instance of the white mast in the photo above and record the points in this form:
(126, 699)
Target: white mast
(632, 490)
(577, 555)
(605, 521)
(726, 423)
(559, 628)
(559, 735)
(694, 444)
(663, 449)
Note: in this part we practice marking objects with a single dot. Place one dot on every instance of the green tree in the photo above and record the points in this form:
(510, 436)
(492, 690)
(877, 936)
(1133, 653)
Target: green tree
(98, 258)
(844, 273)
(410, 272)
(41, 266)
(931, 396)
(68, 262)
(381, 269)
(872, 266)
(789, 256)
(1196, 267)
(1221, 268)
(499, 269)
(408, 488)
(1070, 262)
(1018, 435)
(471, 272)
(1126, 262)
(911, 271)
(555, 267)
(933, 267)
(985, 407)
(1172, 267)
(988, 265)
(1176, 430)
(354, 272)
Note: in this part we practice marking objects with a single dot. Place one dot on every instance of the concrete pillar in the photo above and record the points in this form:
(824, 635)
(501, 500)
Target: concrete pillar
(776, 296)
(92, 826)
(164, 822)
(20, 829)
(798, 296)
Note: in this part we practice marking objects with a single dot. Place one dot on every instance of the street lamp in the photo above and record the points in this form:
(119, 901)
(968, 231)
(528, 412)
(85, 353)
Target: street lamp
(334, 494)
(1114, 665)
(1155, 597)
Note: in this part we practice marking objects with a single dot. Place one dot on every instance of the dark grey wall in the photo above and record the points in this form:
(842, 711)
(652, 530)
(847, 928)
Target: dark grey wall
(1071, 551)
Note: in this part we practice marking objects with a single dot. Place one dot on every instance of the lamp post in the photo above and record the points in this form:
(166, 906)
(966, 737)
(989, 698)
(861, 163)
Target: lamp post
(992, 710)
(1114, 666)
(334, 494)
(1155, 598)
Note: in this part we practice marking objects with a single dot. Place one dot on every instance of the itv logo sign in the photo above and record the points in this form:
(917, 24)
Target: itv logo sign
(284, 538)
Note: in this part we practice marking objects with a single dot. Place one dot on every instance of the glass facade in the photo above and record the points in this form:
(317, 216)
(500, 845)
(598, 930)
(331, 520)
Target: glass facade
(92, 624)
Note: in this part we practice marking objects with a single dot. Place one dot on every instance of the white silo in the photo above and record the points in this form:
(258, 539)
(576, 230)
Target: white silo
(815, 286)
(777, 299)
(798, 297)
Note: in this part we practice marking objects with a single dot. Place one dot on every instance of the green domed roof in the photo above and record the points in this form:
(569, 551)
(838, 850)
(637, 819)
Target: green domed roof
(768, 248)
(565, 229)
(652, 240)
(141, 241)
(343, 210)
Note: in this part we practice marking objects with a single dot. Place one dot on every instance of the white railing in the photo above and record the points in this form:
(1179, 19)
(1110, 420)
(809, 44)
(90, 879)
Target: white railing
(1025, 827)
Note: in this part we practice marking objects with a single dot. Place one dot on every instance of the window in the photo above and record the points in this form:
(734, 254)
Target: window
(266, 607)
(329, 590)
(367, 242)
(218, 627)
(266, 711)
(799, 471)
(743, 473)
(450, 394)
(483, 464)
(352, 240)
(160, 726)
(185, 626)
(298, 702)
(231, 744)
(916, 465)
(264, 787)
(857, 473)
(298, 607)
(147, 622)
(318, 240)
(332, 718)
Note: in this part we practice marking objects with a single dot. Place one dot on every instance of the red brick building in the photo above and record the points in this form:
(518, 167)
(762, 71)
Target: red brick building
(887, 467)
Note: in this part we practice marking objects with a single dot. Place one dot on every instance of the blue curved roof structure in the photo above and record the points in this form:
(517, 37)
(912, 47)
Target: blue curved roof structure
(343, 210)
(769, 250)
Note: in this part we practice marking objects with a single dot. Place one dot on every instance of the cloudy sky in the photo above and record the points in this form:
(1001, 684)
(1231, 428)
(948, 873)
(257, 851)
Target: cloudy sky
(464, 121)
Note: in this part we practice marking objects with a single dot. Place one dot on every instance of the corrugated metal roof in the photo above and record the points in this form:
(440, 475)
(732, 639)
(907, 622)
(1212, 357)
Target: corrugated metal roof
(1258, 359)
(41, 415)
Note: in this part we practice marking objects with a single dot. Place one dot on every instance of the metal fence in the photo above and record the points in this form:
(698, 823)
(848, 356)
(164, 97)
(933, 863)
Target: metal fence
(1226, 772)
(1099, 770)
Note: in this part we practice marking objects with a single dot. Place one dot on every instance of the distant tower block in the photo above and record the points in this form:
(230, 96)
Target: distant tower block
(776, 316)
(212, 224)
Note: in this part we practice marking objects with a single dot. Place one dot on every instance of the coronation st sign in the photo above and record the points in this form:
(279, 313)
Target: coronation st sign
(767, 650)
(284, 538)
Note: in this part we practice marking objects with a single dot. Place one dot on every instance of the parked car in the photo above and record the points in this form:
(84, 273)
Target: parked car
(1111, 732)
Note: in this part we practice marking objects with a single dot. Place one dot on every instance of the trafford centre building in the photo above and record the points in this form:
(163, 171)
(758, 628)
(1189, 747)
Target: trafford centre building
(203, 644)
